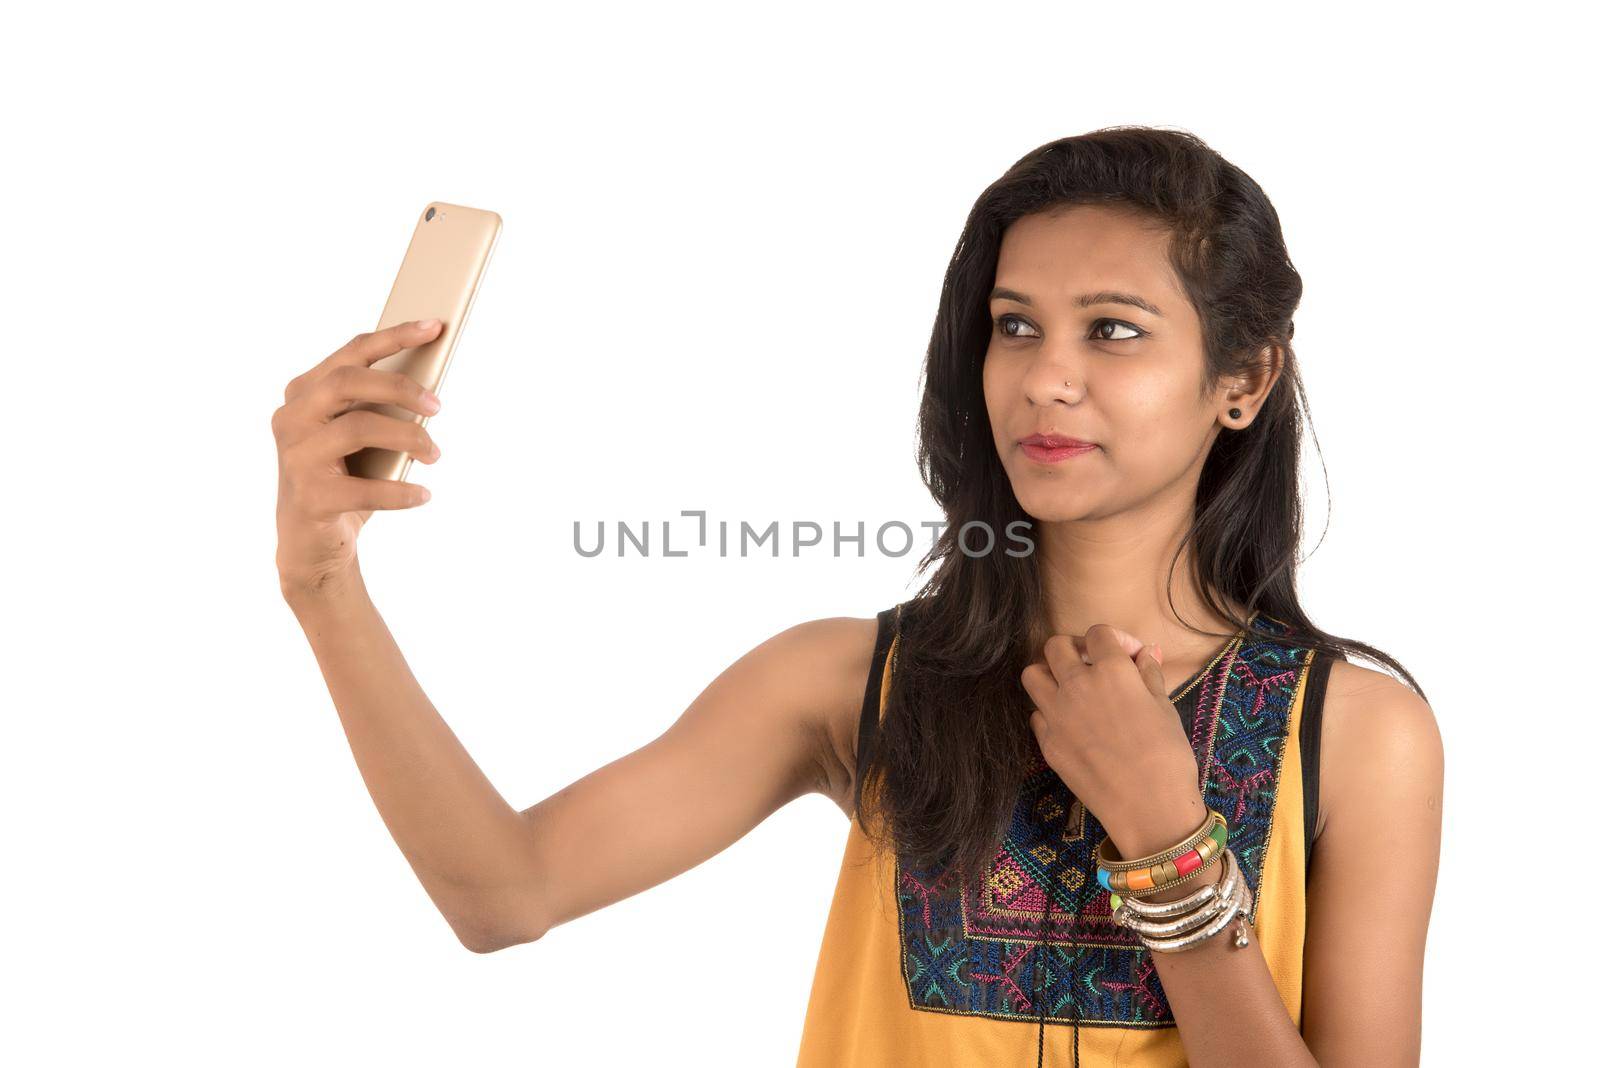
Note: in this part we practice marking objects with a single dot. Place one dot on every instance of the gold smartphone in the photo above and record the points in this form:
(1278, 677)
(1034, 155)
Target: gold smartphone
(438, 279)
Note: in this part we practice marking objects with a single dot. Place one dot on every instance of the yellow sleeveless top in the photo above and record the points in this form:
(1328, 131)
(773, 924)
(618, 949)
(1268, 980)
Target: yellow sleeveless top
(912, 973)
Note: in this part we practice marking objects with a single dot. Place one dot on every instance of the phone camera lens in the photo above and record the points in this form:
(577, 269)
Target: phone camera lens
(429, 216)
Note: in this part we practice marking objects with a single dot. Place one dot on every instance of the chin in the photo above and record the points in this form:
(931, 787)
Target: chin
(1055, 507)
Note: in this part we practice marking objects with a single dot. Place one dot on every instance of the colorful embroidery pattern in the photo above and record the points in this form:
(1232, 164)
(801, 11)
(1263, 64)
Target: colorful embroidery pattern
(981, 954)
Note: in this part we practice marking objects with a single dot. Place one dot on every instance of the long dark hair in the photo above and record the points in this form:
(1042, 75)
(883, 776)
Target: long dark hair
(968, 633)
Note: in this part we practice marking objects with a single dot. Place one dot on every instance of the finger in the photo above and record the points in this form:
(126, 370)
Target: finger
(364, 350)
(359, 430)
(344, 387)
(1150, 671)
(1040, 683)
(1104, 642)
(1064, 653)
(334, 495)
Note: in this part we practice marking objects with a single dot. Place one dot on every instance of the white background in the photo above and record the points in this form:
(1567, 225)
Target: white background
(725, 230)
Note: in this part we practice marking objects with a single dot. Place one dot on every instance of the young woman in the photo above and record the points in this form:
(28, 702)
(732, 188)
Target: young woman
(1114, 798)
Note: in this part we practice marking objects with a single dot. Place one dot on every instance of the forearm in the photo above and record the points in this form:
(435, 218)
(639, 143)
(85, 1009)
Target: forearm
(469, 848)
(1226, 1005)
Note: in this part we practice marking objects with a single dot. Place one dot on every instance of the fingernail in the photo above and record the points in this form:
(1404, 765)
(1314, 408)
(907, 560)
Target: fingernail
(427, 324)
(430, 402)
(1155, 651)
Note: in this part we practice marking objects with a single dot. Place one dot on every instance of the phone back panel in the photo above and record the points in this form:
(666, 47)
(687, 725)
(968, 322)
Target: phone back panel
(438, 279)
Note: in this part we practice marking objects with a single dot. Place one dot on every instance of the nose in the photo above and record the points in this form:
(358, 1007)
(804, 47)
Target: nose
(1053, 377)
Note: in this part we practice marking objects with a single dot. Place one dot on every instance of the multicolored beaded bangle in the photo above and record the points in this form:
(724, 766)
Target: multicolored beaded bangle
(1169, 919)
(1105, 857)
(1201, 915)
(1169, 867)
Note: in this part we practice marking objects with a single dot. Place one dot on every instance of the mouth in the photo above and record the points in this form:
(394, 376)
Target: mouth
(1054, 448)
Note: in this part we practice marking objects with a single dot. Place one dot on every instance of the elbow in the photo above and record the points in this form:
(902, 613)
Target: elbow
(484, 938)
(487, 922)
(494, 945)
(480, 945)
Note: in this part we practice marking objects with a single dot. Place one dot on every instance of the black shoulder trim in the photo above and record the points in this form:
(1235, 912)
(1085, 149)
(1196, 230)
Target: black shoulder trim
(867, 729)
(1311, 741)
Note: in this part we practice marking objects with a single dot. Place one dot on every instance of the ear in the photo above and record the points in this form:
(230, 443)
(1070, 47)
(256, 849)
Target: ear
(1248, 389)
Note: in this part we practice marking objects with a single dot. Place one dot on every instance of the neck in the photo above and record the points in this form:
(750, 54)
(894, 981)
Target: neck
(1114, 570)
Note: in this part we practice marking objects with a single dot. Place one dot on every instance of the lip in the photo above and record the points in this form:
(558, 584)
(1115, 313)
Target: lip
(1054, 448)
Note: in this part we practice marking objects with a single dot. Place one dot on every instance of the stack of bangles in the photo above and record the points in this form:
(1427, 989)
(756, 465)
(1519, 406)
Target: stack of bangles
(1167, 926)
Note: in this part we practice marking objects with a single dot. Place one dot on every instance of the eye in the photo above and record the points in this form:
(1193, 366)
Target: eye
(1009, 325)
(1004, 322)
(1097, 331)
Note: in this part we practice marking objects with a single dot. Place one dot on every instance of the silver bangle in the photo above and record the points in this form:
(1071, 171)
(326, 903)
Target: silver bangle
(1158, 909)
(1241, 938)
(1198, 918)
(1212, 908)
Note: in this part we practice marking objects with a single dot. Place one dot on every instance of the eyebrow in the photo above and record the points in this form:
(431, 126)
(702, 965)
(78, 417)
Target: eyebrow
(1085, 300)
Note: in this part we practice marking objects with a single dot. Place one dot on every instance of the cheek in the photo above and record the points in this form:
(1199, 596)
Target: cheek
(1156, 420)
(1139, 399)
(997, 390)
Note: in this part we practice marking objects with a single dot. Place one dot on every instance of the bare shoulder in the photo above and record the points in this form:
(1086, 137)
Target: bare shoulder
(1369, 894)
(1379, 739)
(825, 664)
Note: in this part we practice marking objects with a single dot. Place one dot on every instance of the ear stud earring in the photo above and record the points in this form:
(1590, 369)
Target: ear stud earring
(1233, 413)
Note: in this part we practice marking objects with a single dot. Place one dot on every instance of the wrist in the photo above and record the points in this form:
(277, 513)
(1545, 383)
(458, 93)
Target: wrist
(322, 592)
(1210, 876)
(1162, 826)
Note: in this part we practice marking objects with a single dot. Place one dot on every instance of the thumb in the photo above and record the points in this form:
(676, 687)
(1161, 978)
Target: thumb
(1129, 643)
(1150, 671)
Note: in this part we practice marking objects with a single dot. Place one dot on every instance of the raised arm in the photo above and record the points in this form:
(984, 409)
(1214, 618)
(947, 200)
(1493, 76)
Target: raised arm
(768, 729)
(764, 732)
(755, 739)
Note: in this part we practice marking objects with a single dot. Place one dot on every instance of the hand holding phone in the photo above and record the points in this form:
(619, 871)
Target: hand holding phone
(350, 427)
(321, 507)
(438, 279)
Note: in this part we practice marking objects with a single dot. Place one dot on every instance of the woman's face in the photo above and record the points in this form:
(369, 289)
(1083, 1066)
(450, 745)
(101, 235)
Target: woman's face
(1069, 355)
